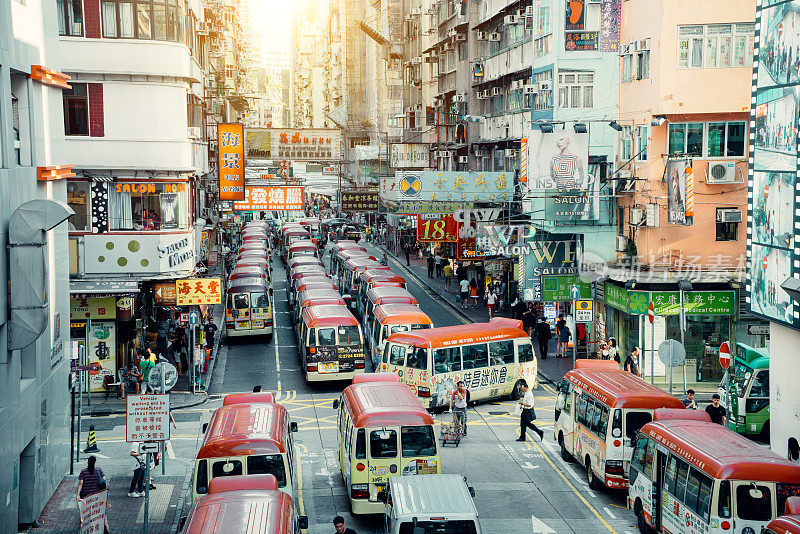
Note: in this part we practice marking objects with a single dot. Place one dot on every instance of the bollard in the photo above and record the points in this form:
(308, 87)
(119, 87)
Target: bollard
(91, 441)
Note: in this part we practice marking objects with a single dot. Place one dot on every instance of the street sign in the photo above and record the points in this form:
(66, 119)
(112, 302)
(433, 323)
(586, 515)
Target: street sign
(583, 311)
(170, 376)
(758, 329)
(671, 353)
(92, 510)
(149, 446)
(194, 317)
(166, 294)
(575, 291)
(651, 312)
(184, 317)
(147, 418)
(725, 355)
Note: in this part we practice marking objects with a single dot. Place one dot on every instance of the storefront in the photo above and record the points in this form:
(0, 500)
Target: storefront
(710, 315)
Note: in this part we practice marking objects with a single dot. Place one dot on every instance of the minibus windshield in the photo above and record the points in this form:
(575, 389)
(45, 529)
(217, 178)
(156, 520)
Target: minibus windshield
(417, 441)
(349, 336)
(259, 300)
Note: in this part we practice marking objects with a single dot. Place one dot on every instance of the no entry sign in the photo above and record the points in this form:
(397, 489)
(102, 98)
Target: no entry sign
(725, 355)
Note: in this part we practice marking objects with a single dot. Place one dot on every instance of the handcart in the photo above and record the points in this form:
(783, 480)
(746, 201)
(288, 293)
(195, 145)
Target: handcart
(450, 433)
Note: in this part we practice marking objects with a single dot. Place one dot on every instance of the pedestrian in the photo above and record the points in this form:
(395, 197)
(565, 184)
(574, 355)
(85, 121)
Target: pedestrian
(458, 400)
(715, 411)
(257, 389)
(145, 366)
(448, 275)
(564, 335)
(560, 323)
(384, 260)
(338, 524)
(431, 264)
(92, 480)
(473, 293)
(463, 288)
(632, 362)
(438, 261)
(543, 336)
(136, 488)
(520, 308)
(689, 401)
(491, 300)
(529, 320)
(613, 350)
(210, 331)
(407, 250)
(528, 414)
(132, 376)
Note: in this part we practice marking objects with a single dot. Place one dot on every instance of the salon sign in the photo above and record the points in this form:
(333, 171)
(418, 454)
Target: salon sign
(172, 254)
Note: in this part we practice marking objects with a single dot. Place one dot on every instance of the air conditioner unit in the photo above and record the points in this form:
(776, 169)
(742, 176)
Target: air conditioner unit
(511, 19)
(642, 44)
(463, 159)
(417, 60)
(431, 59)
(409, 18)
(529, 89)
(452, 33)
(448, 45)
(483, 36)
(652, 217)
(731, 215)
(528, 10)
(459, 97)
(485, 93)
(496, 91)
(481, 152)
(461, 37)
(516, 84)
(622, 243)
(543, 86)
(494, 36)
(721, 172)
(511, 153)
(636, 216)
(624, 50)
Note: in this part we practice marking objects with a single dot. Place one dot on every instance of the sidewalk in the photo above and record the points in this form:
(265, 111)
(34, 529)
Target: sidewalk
(551, 369)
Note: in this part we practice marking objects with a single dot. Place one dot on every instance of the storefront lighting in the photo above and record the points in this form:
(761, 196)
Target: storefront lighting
(580, 128)
(546, 127)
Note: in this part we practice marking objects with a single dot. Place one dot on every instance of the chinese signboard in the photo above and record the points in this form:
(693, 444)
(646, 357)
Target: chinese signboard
(409, 155)
(230, 142)
(557, 288)
(330, 169)
(102, 353)
(198, 291)
(354, 201)
(616, 297)
(277, 198)
(92, 308)
(455, 186)
(147, 418)
(610, 22)
(166, 294)
(581, 41)
(638, 302)
(437, 228)
(92, 509)
(306, 144)
(695, 302)
(575, 15)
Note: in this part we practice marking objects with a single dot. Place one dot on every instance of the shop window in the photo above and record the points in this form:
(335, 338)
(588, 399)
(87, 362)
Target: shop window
(70, 17)
(79, 199)
(76, 109)
(162, 206)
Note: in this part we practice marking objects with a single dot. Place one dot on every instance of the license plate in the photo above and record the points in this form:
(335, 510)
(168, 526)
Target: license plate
(329, 367)
(242, 324)
(258, 324)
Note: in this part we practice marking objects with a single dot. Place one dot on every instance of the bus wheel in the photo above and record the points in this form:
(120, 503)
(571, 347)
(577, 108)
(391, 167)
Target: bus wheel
(565, 455)
(641, 522)
(516, 393)
(590, 476)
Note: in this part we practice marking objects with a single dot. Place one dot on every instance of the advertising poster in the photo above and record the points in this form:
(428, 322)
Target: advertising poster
(258, 142)
(306, 144)
(230, 164)
(169, 210)
(92, 308)
(558, 169)
(277, 198)
(360, 201)
(776, 130)
(780, 37)
(610, 23)
(676, 190)
(436, 229)
(193, 291)
(575, 15)
(454, 186)
(581, 41)
(769, 267)
(102, 351)
(773, 209)
(551, 255)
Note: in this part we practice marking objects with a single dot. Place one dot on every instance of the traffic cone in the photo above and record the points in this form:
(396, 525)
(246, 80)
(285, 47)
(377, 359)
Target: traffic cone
(91, 441)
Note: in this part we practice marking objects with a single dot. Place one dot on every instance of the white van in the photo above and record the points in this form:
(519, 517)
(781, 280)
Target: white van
(419, 504)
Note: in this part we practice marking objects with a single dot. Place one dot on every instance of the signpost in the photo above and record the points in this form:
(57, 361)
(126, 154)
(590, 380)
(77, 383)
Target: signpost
(574, 294)
(583, 311)
(725, 355)
(672, 354)
(758, 329)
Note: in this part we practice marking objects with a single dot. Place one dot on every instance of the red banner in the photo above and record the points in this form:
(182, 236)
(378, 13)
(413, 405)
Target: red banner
(440, 228)
(275, 198)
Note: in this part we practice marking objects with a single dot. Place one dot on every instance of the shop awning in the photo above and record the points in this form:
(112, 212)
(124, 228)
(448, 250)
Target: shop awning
(95, 287)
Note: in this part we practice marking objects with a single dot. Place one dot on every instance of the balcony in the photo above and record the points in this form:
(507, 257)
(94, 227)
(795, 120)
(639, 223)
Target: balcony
(494, 128)
(512, 59)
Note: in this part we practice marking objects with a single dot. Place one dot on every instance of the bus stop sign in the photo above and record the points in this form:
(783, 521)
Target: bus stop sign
(725, 355)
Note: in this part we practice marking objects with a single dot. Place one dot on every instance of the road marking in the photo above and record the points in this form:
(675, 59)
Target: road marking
(567, 468)
(540, 527)
(170, 450)
(300, 501)
(612, 516)
(528, 465)
(277, 359)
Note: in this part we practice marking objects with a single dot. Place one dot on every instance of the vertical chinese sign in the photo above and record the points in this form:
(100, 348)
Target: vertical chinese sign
(230, 143)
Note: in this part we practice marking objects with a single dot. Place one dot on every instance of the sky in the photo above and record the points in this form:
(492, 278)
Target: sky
(271, 23)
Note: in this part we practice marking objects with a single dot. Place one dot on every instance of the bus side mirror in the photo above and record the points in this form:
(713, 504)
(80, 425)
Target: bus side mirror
(471, 491)
(293, 426)
(205, 427)
(302, 522)
(335, 404)
(271, 292)
(182, 522)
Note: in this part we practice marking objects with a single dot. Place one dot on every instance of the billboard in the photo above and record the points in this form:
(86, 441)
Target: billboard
(275, 198)
(610, 24)
(776, 129)
(676, 190)
(360, 201)
(315, 144)
(558, 170)
(409, 155)
(779, 38)
(548, 255)
(230, 164)
(454, 186)
(258, 143)
(436, 228)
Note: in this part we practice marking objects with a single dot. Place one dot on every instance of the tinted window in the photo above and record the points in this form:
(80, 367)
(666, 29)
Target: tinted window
(361, 444)
(383, 444)
(418, 359)
(680, 480)
(603, 425)
(753, 508)
(582, 409)
(446, 360)
(501, 352)
(724, 501)
(349, 336)
(201, 484)
(670, 473)
(241, 301)
(760, 387)
(225, 468)
(326, 337)
(259, 300)
(525, 352)
(417, 441)
(267, 465)
(634, 421)
(639, 452)
(397, 355)
(475, 356)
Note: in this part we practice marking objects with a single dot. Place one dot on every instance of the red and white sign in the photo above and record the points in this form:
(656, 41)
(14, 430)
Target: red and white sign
(93, 512)
(147, 418)
(184, 318)
(276, 198)
(651, 312)
(725, 355)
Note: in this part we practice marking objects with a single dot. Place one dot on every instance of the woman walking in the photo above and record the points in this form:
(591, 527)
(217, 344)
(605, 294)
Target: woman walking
(92, 480)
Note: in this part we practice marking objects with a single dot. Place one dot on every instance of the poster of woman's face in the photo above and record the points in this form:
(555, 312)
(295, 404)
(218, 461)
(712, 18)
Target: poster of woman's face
(169, 210)
(776, 130)
(779, 46)
(769, 267)
(676, 191)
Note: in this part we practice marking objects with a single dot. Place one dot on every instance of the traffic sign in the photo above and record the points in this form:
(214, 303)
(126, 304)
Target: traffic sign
(183, 317)
(651, 312)
(147, 418)
(148, 446)
(194, 317)
(725, 355)
(583, 311)
(170, 376)
(671, 353)
(758, 329)
(575, 291)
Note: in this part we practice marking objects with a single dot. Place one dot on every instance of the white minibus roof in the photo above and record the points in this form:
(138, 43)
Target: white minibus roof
(431, 495)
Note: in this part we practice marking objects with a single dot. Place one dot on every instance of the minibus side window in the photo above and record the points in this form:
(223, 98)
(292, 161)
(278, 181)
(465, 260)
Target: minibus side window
(698, 493)
(386, 352)
(751, 508)
(783, 491)
(724, 499)
(361, 444)
(446, 360)
(680, 480)
(418, 359)
(383, 444)
(648, 458)
(603, 425)
(326, 337)
(501, 352)
(670, 474)
(259, 300)
(310, 337)
(634, 421)
(582, 409)
(202, 477)
(398, 355)
(226, 468)
(475, 356)
(616, 425)
(525, 352)
(637, 460)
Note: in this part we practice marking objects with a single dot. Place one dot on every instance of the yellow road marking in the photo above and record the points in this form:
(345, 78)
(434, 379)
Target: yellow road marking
(300, 502)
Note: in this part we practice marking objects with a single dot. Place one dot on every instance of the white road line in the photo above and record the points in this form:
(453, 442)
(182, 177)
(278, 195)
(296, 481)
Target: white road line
(171, 451)
(275, 342)
(540, 527)
(528, 465)
(612, 516)
(566, 468)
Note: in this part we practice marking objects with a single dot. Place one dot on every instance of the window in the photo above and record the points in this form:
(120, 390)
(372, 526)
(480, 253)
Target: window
(637, 460)
(641, 143)
(78, 198)
(76, 110)
(226, 468)
(446, 360)
(724, 499)
(575, 89)
(201, 482)
(349, 336)
(501, 352)
(753, 502)
(361, 444)
(475, 356)
(726, 231)
(118, 19)
(267, 465)
(383, 444)
(543, 98)
(397, 356)
(698, 493)
(635, 421)
(670, 474)
(626, 143)
(162, 206)
(715, 45)
(259, 300)
(525, 351)
(602, 425)
(453, 526)
(760, 387)
(418, 359)
(582, 409)
(627, 68)
(326, 337)
(70, 17)
(241, 301)
(417, 441)
(642, 64)
(707, 139)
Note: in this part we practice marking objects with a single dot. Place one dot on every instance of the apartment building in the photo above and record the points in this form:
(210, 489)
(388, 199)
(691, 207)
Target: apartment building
(420, 71)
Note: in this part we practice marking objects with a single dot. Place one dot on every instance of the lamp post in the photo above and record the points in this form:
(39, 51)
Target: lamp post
(683, 285)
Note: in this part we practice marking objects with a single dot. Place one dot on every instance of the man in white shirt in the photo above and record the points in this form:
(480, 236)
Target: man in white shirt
(527, 416)
(463, 289)
(459, 401)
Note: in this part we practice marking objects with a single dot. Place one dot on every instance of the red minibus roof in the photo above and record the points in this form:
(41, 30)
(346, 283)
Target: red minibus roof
(400, 314)
(362, 263)
(246, 398)
(585, 363)
(266, 511)
(620, 389)
(309, 278)
(319, 296)
(302, 244)
(383, 403)
(242, 482)
(247, 284)
(303, 260)
(303, 270)
(720, 452)
(238, 273)
(789, 523)
(317, 284)
(328, 315)
(251, 260)
(293, 232)
(663, 414)
(348, 245)
(383, 275)
(375, 377)
(246, 430)
(392, 291)
(446, 336)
